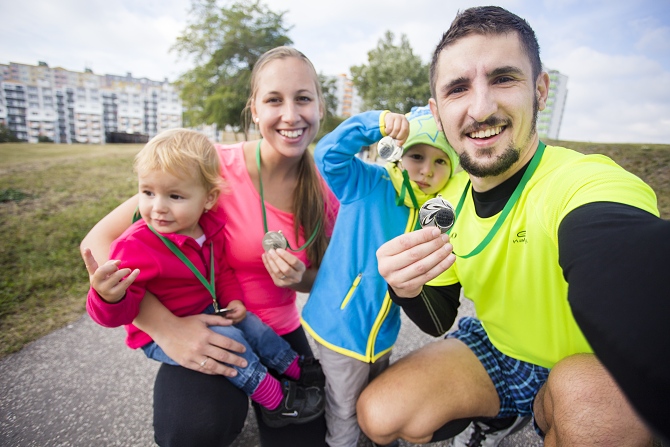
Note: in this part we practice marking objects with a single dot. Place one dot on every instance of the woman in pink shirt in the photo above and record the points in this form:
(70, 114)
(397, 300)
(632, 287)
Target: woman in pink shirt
(280, 216)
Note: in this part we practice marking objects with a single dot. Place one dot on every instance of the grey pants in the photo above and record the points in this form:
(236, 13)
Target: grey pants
(345, 379)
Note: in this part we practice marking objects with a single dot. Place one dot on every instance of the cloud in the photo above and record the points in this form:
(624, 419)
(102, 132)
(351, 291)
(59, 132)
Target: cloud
(343, 35)
(615, 98)
(108, 37)
(653, 39)
(616, 53)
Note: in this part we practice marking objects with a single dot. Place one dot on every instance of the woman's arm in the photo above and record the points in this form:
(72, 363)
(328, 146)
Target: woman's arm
(188, 340)
(110, 227)
(308, 277)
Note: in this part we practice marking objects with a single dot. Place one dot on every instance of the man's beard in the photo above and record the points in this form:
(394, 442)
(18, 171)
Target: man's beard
(504, 161)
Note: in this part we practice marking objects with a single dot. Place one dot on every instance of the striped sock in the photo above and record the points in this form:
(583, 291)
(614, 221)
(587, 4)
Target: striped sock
(293, 371)
(269, 393)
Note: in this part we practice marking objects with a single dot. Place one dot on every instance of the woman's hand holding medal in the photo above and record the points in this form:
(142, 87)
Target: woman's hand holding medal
(285, 269)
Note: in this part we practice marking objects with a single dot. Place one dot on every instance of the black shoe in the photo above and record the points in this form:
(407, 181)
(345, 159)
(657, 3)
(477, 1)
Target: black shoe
(395, 443)
(299, 405)
(311, 373)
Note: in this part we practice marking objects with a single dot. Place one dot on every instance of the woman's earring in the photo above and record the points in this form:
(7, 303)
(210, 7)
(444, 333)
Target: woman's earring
(257, 120)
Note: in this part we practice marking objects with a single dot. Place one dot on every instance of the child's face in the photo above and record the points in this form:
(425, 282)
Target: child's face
(173, 205)
(428, 166)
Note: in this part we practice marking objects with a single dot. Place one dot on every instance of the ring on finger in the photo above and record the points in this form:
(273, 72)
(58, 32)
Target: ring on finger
(282, 277)
(204, 362)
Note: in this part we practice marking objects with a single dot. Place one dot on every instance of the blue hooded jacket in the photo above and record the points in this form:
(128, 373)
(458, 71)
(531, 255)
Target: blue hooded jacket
(349, 309)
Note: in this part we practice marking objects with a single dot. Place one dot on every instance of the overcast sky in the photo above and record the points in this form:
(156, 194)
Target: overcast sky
(616, 53)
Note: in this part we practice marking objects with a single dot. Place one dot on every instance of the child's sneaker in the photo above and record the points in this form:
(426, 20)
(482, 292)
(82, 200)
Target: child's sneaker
(311, 373)
(299, 405)
(479, 434)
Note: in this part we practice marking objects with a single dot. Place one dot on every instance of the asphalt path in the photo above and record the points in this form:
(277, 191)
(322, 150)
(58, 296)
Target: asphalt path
(81, 386)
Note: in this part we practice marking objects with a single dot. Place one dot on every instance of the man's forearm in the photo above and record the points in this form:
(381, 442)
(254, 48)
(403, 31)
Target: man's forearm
(434, 310)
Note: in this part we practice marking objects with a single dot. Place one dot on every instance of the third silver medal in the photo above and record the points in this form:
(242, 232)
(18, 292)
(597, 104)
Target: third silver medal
(437, 212)
(274, 239)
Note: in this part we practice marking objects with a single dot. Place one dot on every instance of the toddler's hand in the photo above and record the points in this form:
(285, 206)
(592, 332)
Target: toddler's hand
(236, 311)
(397, 127)
(108, 280)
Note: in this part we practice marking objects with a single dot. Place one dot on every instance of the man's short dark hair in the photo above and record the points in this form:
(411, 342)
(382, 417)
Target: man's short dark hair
(488, 20)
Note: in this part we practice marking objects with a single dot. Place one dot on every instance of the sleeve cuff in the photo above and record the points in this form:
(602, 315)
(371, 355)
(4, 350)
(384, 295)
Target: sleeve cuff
(382, 122)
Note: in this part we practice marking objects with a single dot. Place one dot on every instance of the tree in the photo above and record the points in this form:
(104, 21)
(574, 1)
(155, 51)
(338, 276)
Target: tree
(329, 89)
(6, 135)
(224, 43)
(330, 120)
(44, 139)
(395, 78)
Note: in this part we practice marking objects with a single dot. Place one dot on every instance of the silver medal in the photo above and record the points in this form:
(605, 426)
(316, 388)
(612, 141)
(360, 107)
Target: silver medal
(274, 239)
(388, 149)
(437, 212)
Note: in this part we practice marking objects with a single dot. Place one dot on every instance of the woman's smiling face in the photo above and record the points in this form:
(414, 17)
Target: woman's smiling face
(286, 105)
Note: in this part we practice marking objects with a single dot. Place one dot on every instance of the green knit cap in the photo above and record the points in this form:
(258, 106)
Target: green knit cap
(422, 129)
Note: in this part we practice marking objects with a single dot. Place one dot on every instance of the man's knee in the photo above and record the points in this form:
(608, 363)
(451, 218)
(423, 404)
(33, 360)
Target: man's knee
(370, 413)
(379, 418)
(581, 401)
(578, 380)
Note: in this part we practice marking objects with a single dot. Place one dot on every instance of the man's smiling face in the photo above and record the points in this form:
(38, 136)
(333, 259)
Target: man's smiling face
(487, 102)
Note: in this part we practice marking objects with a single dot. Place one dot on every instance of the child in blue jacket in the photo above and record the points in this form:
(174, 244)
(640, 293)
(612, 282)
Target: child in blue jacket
(349, 312)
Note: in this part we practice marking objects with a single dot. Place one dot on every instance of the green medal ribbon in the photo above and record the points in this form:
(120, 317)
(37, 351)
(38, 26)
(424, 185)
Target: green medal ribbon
(406, 187)
(535, 161)
(400, 200)
(209, 285)
(265, 221)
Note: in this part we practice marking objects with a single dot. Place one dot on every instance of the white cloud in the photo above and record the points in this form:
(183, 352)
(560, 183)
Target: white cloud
(615, 53)
(654, 39)
(615, 98)
(109, 37)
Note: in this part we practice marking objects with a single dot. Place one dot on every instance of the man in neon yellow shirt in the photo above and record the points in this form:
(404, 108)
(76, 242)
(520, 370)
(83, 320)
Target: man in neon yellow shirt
(551, 245)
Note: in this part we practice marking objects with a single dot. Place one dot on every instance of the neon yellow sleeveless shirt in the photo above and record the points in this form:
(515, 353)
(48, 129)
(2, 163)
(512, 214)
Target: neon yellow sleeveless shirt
(522, 301)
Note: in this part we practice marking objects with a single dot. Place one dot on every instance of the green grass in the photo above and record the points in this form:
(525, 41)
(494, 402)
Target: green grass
(51, 195)
(650, 162)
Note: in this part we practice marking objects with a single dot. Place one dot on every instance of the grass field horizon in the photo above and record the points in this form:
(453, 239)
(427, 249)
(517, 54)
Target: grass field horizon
(52, 194)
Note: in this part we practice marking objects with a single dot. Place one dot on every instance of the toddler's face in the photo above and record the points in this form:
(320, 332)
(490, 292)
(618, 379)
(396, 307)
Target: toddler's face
(428, 166)
(172, 204)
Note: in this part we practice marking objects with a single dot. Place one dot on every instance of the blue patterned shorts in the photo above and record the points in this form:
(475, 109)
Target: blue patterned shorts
(517, 382)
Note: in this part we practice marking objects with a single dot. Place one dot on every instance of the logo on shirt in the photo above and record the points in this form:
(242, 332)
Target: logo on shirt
(520, 238)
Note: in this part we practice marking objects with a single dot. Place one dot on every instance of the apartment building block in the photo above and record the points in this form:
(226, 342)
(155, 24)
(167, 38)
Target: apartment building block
(348, 101)
(82, 107)
(549, 119)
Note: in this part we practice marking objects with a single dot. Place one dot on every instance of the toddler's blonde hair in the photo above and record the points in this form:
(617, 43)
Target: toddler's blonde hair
(180, 152)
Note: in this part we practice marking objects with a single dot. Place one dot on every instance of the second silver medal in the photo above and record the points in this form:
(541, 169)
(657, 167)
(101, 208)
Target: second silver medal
(274, 239)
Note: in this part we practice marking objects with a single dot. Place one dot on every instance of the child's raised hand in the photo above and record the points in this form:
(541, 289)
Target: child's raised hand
(236, 311)
(108, 280)
(396, 127)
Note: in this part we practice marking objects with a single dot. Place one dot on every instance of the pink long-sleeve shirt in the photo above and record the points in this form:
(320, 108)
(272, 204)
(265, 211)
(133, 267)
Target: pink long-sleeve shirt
(244, 232)
(166, 276)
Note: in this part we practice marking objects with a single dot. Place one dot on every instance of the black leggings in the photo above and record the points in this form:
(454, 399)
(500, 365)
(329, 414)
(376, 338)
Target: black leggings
(195, 409)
